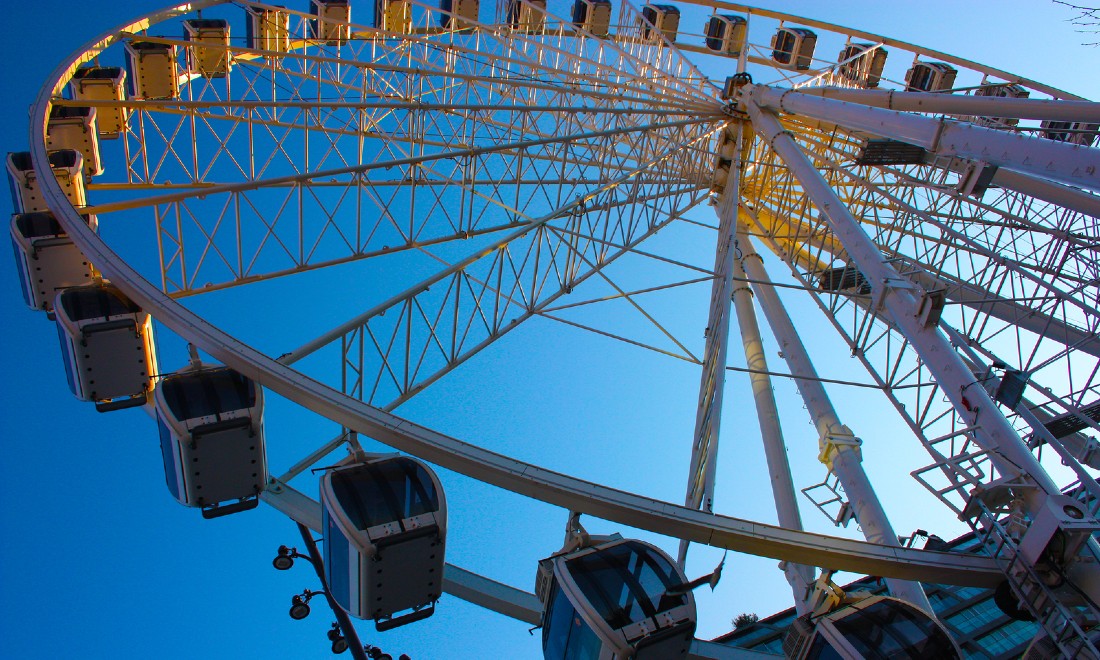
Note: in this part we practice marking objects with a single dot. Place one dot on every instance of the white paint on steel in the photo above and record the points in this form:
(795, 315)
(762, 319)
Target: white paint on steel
(845, 459)
(1067, 163)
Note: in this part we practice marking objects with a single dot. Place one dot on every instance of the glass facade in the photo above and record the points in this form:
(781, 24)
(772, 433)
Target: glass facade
(975, 622)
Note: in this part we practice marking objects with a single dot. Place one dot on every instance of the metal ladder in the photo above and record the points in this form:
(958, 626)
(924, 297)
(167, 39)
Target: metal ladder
(1062, 623)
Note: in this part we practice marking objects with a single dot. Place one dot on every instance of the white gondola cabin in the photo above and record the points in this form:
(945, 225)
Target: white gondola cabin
(527, 16)
(725, 33)
(1073, 132)
(103, 83)
(152, 70)
(106, 345)
(615, 600)
(207, 51)
(874, 627)
(660, 19)
(458, 14)
(267, 29)
(793, 48)
(930, 77)
(393, 15)
(862, 64)
(593, 16)
(68, 168)
(212, 439)
(385, 527)
(1002, 91)
(74, 128)
(332, 22)
(47, 259)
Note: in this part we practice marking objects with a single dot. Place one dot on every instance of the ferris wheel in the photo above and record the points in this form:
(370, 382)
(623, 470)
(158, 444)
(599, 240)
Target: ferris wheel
(347, 206)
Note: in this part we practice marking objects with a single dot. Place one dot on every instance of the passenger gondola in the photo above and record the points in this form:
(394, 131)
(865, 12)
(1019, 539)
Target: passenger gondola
(393, 15)
(212, 439)
(103, 83)
(207, 52)
(528, 16)
(793, 48)
(1002, 91)
(331, 24)
(612, 600)
(876, 627)
(385, 527)
(725, 33)
(268, 28)
(458, 14)
(1071, 132)
(106, 345)
(593, 16)
(74, 128)
(660, 19)
(47, 259)
(862, 64)
(930, 77)
(67, 166)
(152, 70)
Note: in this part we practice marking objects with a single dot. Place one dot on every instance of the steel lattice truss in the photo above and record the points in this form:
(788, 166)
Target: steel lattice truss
(507, 167)
(1017, 273)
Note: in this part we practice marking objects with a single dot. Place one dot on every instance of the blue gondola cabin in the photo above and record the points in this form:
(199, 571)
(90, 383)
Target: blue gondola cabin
(47, 259)
(930, 77)
(660, 19)
(152, 70)
(267, 29)
(106, 345)
(103, 83)
(458, 14)
(872, 627)
(68, 169)
(793, 48)
(725, 33)
(1002, 91)
(861, 65)
(212, 439)
(1071, 132)
(393, 16)
(207, 51)
(593, 16)
(332, 22)
(615, 600)
(528, 16)
(385, 528)
(74, 128)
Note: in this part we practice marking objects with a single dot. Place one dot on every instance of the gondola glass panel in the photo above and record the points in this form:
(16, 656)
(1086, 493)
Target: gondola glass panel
(47, 259)
(67, 166)
(385, 528)
(613, 601)
(876, 628)
(101, 83)
(107, 346)
(211, 432)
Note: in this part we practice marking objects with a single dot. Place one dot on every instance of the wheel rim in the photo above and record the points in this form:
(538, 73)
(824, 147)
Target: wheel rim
(232, 353)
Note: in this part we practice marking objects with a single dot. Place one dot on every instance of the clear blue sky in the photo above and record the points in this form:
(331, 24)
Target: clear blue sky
(98, 561)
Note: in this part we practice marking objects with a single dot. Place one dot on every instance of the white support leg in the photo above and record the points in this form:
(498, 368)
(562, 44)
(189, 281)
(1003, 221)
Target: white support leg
(1071, 164)
(840, 449)
(899, 302)
(708, 417)
(958, 104)
(800, 576)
